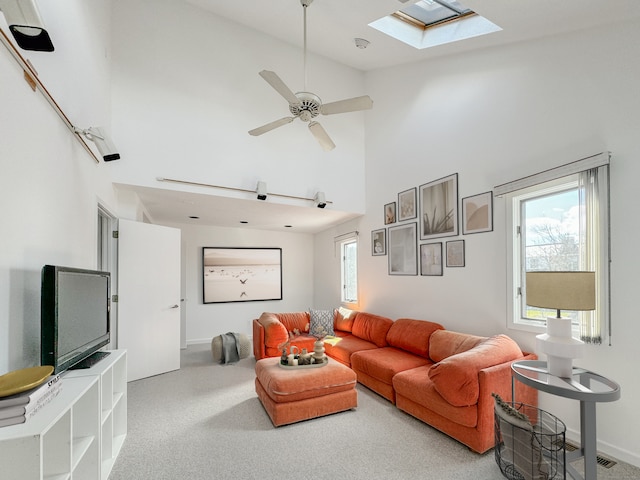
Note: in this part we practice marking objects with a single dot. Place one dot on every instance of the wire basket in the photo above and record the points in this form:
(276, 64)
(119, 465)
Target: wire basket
(533, 451)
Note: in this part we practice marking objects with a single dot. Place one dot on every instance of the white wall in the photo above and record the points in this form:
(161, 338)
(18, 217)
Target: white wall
(493, 116)
(187, 91)
(50, 186)
(204, 321)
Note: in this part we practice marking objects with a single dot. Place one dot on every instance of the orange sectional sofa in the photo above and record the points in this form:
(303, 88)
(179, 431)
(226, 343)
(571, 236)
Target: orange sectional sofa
(441, 377)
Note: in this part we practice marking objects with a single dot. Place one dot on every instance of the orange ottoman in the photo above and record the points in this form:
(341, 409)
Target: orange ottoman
(292, 395)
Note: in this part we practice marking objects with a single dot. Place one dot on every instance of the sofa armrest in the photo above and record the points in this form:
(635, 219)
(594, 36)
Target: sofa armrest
(258, 340)
(497, 379)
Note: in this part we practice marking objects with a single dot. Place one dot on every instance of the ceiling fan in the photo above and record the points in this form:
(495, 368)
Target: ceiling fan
(306, 105)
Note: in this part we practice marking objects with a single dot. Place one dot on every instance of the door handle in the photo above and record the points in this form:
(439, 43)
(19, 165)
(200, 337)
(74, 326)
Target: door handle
(174, 306)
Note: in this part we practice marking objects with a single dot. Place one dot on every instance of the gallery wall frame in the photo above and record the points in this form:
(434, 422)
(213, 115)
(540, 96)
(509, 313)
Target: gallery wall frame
(408, 204)
(403, 250)
(379, 242)
(455, 253)
(431, 259)
(477, 213)
(438, 202)
(241, 274)
(390, 213)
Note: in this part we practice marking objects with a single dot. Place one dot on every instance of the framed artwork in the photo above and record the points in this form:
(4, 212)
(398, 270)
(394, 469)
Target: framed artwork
(431, 259)
(455, 253)
(379, 242)
(390, 213)
(477, 213)
(407, 204)
(439, 208)
(241, 274)
(403, 257)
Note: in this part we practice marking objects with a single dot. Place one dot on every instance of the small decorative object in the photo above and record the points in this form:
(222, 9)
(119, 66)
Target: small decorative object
(390, 213)
(25, 379)
(439, 208)
(318, 351)
(403, 251)
(455, 253)
(283, 358)
(407, 205)
(431, 259)
(477, 213)
(379, 242)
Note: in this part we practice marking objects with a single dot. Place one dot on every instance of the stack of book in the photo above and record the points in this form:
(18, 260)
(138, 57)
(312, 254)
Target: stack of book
(20, 407)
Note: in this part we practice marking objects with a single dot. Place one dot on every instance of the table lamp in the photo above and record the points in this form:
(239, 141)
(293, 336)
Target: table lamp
(560, 291)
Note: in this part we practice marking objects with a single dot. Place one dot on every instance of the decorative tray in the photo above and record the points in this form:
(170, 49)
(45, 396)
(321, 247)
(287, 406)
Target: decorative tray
(20, 381)
(313, 365)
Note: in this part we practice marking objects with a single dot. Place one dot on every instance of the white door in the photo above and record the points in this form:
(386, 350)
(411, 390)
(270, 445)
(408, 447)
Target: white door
(149, 297)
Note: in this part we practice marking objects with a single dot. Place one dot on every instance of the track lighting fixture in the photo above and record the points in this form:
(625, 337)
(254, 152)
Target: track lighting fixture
(320, 200)
(102, 141)
(261, 190)
(25, 24)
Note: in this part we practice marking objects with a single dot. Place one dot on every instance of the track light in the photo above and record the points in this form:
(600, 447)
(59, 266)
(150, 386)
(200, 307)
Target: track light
(102, 141)
(261, 190)
(25, 24)
(320, 200)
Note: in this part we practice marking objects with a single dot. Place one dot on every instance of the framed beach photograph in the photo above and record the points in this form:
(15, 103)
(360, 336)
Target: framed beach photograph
(477, 213)
(241, 274)
(407, 204)
(379, 242)
(455, 253)
(438, 201)
(403, 258)
(431, 259)
(390, 213)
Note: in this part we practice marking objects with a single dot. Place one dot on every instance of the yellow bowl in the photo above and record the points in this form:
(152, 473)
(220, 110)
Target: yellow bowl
(22, 380)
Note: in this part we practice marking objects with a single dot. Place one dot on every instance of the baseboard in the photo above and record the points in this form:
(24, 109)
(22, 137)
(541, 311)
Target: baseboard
(200, 341)
(608, 450)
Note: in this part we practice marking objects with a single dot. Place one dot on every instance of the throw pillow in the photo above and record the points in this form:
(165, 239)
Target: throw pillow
(321, 323)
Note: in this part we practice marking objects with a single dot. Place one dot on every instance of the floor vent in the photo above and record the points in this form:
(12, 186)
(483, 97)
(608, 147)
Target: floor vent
(602, 461)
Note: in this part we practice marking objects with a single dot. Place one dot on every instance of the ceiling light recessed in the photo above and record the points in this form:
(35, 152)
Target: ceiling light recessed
(288, 226)
(194, 217)
(243, 221)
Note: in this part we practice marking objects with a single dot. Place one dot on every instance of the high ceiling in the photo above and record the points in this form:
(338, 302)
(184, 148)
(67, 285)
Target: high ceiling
(332, 27)
(333, 24)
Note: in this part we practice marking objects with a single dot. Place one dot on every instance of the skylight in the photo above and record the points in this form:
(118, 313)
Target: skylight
(428, 23)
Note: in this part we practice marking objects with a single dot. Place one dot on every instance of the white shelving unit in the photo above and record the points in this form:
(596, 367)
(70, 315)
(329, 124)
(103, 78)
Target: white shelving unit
(76, 436)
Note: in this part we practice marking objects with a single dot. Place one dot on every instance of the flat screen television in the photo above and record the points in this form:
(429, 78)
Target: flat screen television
(74, 317)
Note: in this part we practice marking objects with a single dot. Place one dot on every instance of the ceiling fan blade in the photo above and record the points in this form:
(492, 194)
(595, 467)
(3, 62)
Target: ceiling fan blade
(322, 136)
(279, 86)
(348, 105)
(270, 126)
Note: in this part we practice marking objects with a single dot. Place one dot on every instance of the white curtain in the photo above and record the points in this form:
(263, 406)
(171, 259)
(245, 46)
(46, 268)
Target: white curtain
(594, 212)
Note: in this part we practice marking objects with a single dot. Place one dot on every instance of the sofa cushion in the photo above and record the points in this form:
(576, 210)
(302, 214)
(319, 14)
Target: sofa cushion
(372, 328)
(344, 345)
(456, 377)
(383, 363)
(344, 319)
(294, 321)
(444, 343)
(275, 333)
(416, 386)
(321, 322)
(412, 335)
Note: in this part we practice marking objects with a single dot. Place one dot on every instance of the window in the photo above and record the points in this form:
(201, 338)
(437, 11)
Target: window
(428, 23)
(427, 13)
(558, 221)
(349, 270)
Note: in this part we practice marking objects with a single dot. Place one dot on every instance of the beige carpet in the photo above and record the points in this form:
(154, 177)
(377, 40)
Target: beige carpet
(205, 422)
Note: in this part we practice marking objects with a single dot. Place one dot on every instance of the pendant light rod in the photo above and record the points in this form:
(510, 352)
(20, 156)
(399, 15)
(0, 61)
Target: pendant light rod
(305, 4)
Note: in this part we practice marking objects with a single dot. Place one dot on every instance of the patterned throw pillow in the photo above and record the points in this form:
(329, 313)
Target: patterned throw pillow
(321, 323)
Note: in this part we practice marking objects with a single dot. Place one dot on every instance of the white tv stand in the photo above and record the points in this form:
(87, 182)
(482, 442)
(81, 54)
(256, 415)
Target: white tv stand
(78, 435)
